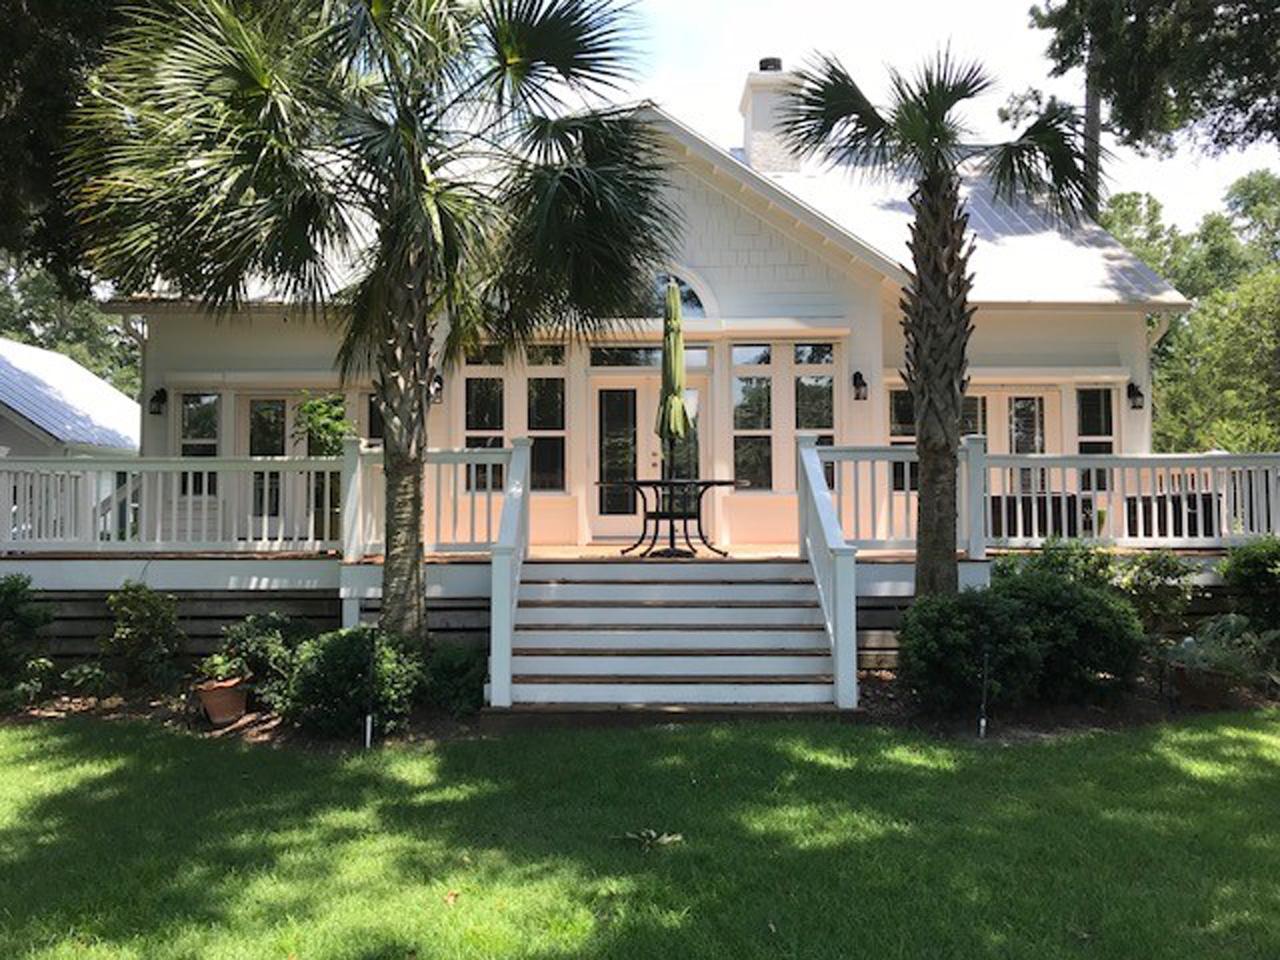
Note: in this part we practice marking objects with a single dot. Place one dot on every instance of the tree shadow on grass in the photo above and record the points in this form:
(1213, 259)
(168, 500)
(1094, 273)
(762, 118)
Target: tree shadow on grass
(799, 839)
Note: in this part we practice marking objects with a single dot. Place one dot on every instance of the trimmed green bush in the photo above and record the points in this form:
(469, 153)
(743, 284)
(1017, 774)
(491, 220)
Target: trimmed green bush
(1159, 585)
(1090, 637)
(333, 684)
(146, 638)
(455, 677)
(1070, 560)
(20, 621)
(265, 648)
(942, 645)
(1252, 571)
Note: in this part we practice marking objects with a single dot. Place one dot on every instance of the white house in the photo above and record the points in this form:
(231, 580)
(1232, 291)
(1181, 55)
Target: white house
(791, 277)
(52, 406)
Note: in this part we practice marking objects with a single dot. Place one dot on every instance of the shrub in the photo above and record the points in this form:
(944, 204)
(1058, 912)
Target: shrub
(333, 686)
(1089, 636)
(1253, 573)
(1071, 560)
(265, 647)
(1159, 585)
(1236, 633)
(146, 638)
(20, 621)
(455, 677)
(942, 643)
(88, 679)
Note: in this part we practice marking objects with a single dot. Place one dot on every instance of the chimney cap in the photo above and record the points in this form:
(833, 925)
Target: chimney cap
(770, 64)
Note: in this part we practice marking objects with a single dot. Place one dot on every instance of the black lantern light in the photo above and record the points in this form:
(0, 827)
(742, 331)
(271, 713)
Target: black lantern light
(435, 391)
(158, 399)
(1137, 399)
(859, 386)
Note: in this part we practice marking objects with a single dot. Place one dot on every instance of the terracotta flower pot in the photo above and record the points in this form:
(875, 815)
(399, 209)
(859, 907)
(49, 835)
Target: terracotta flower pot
(1207, 689)
(223, 700)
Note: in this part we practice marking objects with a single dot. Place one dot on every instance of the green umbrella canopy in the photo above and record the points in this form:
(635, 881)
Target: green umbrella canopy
(673, 417)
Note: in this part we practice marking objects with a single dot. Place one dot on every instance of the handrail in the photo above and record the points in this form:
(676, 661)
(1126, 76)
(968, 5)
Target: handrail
(505, 566)
(833, 561)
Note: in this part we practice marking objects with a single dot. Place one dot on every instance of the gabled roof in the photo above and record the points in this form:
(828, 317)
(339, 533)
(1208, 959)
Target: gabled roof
(65, 400)
(1020, 255)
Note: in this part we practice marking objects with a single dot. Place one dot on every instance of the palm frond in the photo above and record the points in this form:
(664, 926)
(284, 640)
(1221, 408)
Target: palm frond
(535, 50)
(1045, 164)
(589, 225)
(924, 110)
(828, 115)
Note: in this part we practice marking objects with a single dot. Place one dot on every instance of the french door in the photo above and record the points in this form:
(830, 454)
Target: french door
(624, 447)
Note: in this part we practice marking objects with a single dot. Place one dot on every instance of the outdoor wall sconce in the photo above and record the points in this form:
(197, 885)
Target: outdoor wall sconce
(158, 399)
(859, 386)
(435, 391)
(1136, 398)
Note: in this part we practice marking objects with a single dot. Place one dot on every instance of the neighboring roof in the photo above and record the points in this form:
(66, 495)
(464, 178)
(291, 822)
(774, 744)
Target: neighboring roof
(65, 400)
(1020, 255)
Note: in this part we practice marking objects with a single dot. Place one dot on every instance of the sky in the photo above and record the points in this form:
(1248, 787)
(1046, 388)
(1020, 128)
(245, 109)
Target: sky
(693, 56)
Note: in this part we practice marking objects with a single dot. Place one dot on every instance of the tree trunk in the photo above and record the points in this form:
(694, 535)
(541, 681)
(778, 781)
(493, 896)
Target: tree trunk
(401, 387)
(937, 323)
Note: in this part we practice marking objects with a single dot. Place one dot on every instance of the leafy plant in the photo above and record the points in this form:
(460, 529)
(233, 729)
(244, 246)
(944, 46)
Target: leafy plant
(266, 646)
(1252, 571)
(455, 677)
(342, 675)
(89, 679)
(20, 621)
(146, 638)
(945, 640)
(1073, 560)
(320, 423)
(222, 666)
(1159, 585)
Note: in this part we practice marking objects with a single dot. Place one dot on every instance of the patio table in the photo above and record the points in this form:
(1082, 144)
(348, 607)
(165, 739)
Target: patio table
(671, 501)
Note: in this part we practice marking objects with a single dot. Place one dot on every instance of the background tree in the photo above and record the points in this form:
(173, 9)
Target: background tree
(921, 136)
(1167, 65)
(47, 50)
(35, 309)
(423, 171)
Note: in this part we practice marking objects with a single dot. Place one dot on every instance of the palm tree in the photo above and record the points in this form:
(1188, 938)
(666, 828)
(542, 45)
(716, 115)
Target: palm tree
(920, 136)
(427, 172)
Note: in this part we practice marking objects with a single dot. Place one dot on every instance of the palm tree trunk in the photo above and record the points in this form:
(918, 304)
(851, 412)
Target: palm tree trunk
(937, 323)
(402, 388)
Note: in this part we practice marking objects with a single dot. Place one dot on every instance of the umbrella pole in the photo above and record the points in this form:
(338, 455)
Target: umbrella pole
(671, 493)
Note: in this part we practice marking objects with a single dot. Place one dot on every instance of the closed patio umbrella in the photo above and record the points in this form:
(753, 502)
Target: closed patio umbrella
(673, 416)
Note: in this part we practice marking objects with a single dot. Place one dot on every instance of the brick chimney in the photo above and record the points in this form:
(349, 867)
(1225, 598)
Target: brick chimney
(762, 99)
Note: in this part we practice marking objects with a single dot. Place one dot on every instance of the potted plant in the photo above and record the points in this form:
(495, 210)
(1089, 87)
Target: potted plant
(1207, 667)
(224, 691)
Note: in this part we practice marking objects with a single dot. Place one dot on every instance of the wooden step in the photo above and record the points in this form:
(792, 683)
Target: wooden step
(674, 616)
(650, 692)
(680, 668)
(653, 637)
(619, 591)
(664, 570)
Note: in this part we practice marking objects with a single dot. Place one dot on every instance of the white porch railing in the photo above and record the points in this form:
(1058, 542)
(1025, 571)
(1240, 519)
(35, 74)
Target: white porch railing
(169, 504)
(834, 563)
(1207, 500)
(462, 494)
(508, 558)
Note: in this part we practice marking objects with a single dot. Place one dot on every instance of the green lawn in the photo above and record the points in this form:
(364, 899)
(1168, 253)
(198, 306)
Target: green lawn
(800, 840)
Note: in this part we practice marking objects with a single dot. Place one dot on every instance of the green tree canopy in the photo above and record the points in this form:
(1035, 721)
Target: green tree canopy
(1219, 385)
(1167, 65)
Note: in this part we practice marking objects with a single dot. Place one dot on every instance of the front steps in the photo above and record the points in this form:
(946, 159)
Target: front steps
(669, 633)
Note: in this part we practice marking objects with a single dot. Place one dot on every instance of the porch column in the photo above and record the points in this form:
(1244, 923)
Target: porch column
(352, 547)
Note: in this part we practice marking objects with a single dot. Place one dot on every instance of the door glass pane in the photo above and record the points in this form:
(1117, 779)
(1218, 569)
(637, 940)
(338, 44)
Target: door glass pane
(266, 439)
(685, 457)
(1094, 407)
(974, 416)
(752, 403)
(546, 403)
(617, 450)
(484, 476)
(753, 461)
(547, 463)
(1026, 435)
(815, 404)
(823, 353)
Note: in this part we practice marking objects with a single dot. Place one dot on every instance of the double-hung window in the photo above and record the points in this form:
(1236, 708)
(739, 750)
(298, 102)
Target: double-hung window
(753, 415)
(546, 416)
(902, 430)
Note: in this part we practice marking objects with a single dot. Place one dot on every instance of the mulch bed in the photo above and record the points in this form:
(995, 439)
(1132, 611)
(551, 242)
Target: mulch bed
(884, 701)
